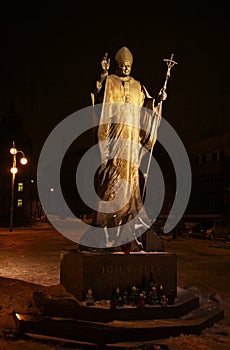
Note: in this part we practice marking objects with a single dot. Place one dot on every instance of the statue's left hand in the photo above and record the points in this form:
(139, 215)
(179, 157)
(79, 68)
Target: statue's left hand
(162, 95)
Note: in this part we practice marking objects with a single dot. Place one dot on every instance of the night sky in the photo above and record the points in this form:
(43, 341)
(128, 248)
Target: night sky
(50, 58)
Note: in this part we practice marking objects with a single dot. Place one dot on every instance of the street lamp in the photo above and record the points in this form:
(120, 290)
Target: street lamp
(14, 171)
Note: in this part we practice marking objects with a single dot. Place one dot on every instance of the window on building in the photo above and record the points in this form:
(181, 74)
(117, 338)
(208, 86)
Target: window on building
(221, 155)
(197, 160)
(214, 156)
(19, 202)
(20, 187)
(204, 159)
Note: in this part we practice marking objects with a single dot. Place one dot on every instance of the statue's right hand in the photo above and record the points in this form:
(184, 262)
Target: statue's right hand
(105, 63)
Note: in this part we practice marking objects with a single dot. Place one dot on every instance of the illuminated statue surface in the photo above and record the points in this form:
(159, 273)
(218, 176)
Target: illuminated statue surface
(128, 122)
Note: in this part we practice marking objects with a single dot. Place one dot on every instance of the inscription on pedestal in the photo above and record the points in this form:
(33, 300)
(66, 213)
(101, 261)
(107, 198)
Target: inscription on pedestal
(126, 270)
(103, 272)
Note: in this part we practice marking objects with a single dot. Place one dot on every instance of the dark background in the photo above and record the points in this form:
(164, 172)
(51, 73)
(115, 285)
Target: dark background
(50, 58)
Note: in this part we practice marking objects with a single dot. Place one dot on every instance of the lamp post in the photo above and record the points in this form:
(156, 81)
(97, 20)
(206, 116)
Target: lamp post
(14, 171)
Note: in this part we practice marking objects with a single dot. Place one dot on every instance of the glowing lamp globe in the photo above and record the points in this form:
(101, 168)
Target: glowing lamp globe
(23, 161)
(14, 170)
(13, 150)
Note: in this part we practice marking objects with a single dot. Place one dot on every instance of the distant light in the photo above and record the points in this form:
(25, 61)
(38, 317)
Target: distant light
(14, 170)
(52, 189)
(19, 317)
(23, 161)
(13, 150)
(32, 181)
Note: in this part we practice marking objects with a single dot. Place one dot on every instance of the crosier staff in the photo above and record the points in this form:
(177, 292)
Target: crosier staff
(170, 63)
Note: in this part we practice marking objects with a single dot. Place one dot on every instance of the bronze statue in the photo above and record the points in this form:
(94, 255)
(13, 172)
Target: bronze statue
(126, 108)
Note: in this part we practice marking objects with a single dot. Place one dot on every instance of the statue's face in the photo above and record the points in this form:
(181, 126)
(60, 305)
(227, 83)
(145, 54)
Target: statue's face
(125, 68)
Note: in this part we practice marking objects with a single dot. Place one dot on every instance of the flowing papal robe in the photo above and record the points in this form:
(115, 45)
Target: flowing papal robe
(128, 122)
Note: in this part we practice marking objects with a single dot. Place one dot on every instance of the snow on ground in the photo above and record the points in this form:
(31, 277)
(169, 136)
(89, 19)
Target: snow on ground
(17, 295)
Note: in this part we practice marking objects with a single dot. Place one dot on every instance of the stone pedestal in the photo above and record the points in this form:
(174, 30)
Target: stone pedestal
(103, 272)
